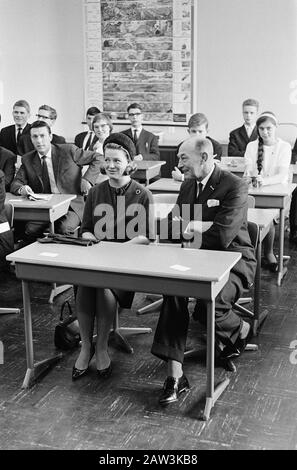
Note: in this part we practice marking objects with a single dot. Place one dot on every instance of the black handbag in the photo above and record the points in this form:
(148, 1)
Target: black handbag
(67, 334)
(66, 239)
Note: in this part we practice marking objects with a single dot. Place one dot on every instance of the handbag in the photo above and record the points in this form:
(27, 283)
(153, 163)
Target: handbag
(67, 334)
(67, 239)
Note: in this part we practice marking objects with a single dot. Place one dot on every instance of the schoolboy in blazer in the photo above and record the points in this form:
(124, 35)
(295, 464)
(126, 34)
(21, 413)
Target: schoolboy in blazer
(240, 137)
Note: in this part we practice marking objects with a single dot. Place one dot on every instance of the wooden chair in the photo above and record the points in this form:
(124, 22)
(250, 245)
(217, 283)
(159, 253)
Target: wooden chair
(9, 211)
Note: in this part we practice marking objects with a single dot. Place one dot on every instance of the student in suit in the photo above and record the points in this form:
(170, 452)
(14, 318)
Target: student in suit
(6, 235)
(85, 139)
(118, 191)
(49, 115)
(198, 125)
(145, 142)
(240, 137)
(294, 153)
(10, 135)
(7, 165)
(55, 169)
(267, 161)
(226, 230)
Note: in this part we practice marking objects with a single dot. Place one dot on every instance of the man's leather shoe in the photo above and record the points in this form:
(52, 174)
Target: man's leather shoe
(172, 388)
(273, 267)
(235, 350)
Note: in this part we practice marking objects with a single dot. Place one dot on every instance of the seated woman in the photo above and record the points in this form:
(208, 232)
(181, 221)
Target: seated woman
(267, 161)
(118, 191)
(102, 127)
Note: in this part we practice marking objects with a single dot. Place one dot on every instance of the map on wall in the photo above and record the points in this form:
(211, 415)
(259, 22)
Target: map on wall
(139, 51)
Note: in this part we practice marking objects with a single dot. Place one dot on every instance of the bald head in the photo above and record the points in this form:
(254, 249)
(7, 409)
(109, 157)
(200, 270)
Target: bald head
(196, 157)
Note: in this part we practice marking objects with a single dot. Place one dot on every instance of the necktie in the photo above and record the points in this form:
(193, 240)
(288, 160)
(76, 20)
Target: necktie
(45, 177)
(199, 196)
(88, 141)
(135, 136)
(18, 140)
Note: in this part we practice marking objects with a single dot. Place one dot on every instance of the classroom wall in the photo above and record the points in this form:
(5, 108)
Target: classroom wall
(41, 59)
(244, 49)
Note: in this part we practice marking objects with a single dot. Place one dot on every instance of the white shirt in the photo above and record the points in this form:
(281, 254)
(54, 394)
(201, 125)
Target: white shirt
(17, 130)
(138, 131)
(205, 180)
(276, 161)
(249, 130)
(49, 164)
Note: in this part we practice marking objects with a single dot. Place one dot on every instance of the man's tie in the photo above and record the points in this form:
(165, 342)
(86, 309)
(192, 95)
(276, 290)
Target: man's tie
(135, 136)
(45, 177)
(199, 195)
(89, 141)
(18, 139)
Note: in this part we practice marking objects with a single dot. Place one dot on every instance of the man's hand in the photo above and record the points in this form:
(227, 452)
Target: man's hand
(177, 175)
(89, 236)
(26, 190)
(85, 186)
(138, 157)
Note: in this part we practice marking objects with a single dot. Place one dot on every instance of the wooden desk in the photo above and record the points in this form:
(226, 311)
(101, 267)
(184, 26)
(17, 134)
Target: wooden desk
(147, 169)
(154, 269)
(42, 211)
(165, 185)
(275, 197)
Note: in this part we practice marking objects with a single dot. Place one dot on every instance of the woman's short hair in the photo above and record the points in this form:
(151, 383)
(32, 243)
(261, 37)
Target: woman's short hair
(103, 117)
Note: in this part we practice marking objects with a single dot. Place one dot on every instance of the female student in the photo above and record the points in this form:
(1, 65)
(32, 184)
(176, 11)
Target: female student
(267, 161)
(102, 127)
(118, 191)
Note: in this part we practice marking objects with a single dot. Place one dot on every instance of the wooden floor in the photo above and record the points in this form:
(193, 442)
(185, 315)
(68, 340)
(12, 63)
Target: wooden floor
(257, 411)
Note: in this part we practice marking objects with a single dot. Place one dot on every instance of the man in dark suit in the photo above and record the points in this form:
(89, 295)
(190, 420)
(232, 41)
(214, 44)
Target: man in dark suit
(7, 165)
(55, 169)
(6, 235)
(86, 140)
(145, 142)
(49, 115)
(10, 135)
(222, 200)
(240, 137)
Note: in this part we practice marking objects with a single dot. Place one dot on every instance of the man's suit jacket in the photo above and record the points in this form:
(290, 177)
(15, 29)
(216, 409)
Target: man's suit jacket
(25, 144)
(147, 144)
(8, 138)
(6, 237)
(294, 153)
(224, 202)
(79, 140)
(238, 140)
(67, 162)
(7, 165)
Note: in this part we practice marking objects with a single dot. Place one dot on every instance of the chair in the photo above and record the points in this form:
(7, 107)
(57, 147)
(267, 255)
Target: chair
(163, 204)
(9, 212)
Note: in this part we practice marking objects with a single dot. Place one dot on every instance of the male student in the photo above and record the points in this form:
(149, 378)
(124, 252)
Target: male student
(6, 235)
(240, 137)
(86, 140)
(7, 165)
(145, 142)
(222, 197)
(198, 125)
(10, 135)
(49, 115)
(55, 169)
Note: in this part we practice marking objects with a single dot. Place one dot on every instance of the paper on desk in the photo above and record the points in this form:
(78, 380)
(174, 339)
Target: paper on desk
(39, 197)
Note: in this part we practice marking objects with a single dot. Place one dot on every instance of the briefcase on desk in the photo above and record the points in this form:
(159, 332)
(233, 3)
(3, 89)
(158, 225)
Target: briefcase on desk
(67, 334)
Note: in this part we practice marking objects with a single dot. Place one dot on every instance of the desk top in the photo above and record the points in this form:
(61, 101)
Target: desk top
(165, 184)
(142, 260)
(147, 164)
(273, 190)
(262, 217)
(54, 201)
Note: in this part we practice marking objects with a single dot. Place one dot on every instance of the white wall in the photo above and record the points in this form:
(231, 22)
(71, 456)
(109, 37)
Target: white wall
(41, 59)
(245, 49)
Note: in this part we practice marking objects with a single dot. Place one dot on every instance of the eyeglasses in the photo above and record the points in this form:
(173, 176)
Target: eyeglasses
(39, 116)
(134, 114)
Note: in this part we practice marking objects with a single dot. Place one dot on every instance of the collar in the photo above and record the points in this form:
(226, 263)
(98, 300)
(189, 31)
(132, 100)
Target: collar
(137, 130)
(48, 155)
(205, 180)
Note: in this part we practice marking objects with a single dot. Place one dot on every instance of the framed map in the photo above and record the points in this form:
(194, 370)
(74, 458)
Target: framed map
(139, 51)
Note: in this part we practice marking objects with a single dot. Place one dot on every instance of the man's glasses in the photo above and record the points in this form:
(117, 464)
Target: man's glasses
(134, 114)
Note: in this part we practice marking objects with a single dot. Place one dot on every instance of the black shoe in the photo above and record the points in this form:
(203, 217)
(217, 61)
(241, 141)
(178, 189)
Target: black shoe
(78, 373)
(172, 388)
(235, 350)
(105, 373)
(293, 236)
(273, 267)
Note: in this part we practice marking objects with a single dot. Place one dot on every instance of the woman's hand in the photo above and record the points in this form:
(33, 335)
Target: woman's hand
(89, 236)
(140, 240)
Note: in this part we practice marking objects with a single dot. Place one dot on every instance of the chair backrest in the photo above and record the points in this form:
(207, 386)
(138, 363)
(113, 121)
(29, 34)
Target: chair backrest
(253, 229)
(9, 212)
(251, 202)
(287, 131)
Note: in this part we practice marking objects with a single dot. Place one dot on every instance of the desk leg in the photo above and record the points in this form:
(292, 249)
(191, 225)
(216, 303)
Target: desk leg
(212, 394)
(33, 371)
(259, 317)
(281, 270)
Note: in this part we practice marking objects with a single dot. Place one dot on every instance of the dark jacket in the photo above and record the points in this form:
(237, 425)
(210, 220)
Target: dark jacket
(6, 237)
(25, 144)
(238, 140)
(7, 165)
(147, 144)
(8, 138)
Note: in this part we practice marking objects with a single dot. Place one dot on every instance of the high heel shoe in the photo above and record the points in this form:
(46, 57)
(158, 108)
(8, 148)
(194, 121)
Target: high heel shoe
(105, 373)
(78, 373)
